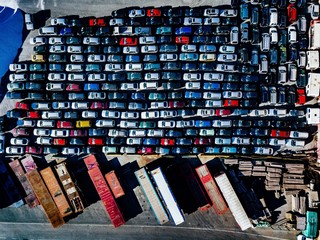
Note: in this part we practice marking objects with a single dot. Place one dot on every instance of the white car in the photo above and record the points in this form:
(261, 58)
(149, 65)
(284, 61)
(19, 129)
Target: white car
(126, 150)
(18, 67)
(191, 76)
(228, 13)
(150, 114)
(38, 40)
(15, 150)
(263, 150)
(110, 114)
(129, 115)
(51, 114)
(227, 57)
(116, 22)
(258, 113)
(46, 123)
(240, 141)
(277, 112)
(130, 50)
(297, 134)
(60, 133)
(168, 57)
(192, 21)
(211, 95)
(129, 86)
(226, 67)
(113, 67)
(80, 105)
(57, 76)
(222, 141)
(149, 49)
(129, 124)
(277, 142)
(151, 76)
(61, 105)
(168, 114)
(295, 143)
(55, 87)
(188, 48)
(117, 133)
(134, 67)
(16, 77)
(45, 132)
(74, 67)
(91, 40)
(56, 40)
(57, 49)
(137, 133)
(59, 21)
(158, 105)
(89, 114)
(40, 106)
(76, 77)
(148, 85)
(134, 141)
(74, 49)
(211, 12)
(147, 40)
(222, 123)
(71, 151)
(44, 140)
(105, 123)
(212, 103)
(227, 49)
(206, 112)
(155, 133)
(166, 124)
(213, 76)
(137, 13)
(96, 77)
(292, 34)
(19, 141)
(232, 94)
(193, 85)
(76, 58)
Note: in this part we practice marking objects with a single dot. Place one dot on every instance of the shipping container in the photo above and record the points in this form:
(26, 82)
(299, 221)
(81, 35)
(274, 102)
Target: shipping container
(167, 196)
(114, 184)
(10, 193)
(193, 184)
(30, 198)
(28, 164)
(69, 187)
(233, 201)
(104, 192)
(56, 192)
(212, 189)
(45, 198)
(151, 196)
(311, 230)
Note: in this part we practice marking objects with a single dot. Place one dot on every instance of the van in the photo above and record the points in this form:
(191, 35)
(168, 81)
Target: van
(48, 31)
(313, 86)
(273, 17)
(83, 124)
(263, 66)
(265, 43)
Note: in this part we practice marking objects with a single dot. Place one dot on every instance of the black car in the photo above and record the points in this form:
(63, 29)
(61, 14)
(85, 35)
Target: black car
(223, 132)
(120, 13)
(291, 95)
(111, 49)
(191, 132)
(109, 41)
(164, 39)
(282, 22)
(244, 55)
(86, 31)
(264, 94)
(91, 49)
(156, 21)
(303, 42)
(203, 30)
(169, 21)
(193, 12)
(242, 123)
(293, 53)
(172, 76)
(195, 103)
(223, 30)
(103, 31)
(150, 58)
(189, 67)
(176, 11)
(173, 133)
(255, 34)
(264, 17)
(261, 123)
(115, 141)
(209, 66)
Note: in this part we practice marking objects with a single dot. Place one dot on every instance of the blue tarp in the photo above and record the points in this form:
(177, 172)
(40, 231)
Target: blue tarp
(11, 36)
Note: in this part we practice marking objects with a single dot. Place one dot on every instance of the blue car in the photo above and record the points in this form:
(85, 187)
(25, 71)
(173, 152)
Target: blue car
(201, 123)
(189, 66)
(193, 95)
(183, 31)
(138, 96)
(213, 150)
(180, 150)
(150, 141)
(92, 87)
(244, 11)
(132, 58)
(211, 86)
(229, 150)
(173, 133)
(66, 31)
(152, 66)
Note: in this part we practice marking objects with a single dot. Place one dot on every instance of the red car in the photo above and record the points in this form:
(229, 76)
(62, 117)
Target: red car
(223, 112)
(182, 40)
(98, 105)
(33, 114)
(176, 104)
(64, 124)
(146, 150)
(292, 13)
(128, 41)
(73, 87)
(78, 133)
(301, 98)
(231, 103)
(34, 150)
(20, 132)
(59, 141)
(202, 141)
(95, 141)
(21, 105)
(167, 142)
(97, 22)
(280, 133)
(154, 12)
